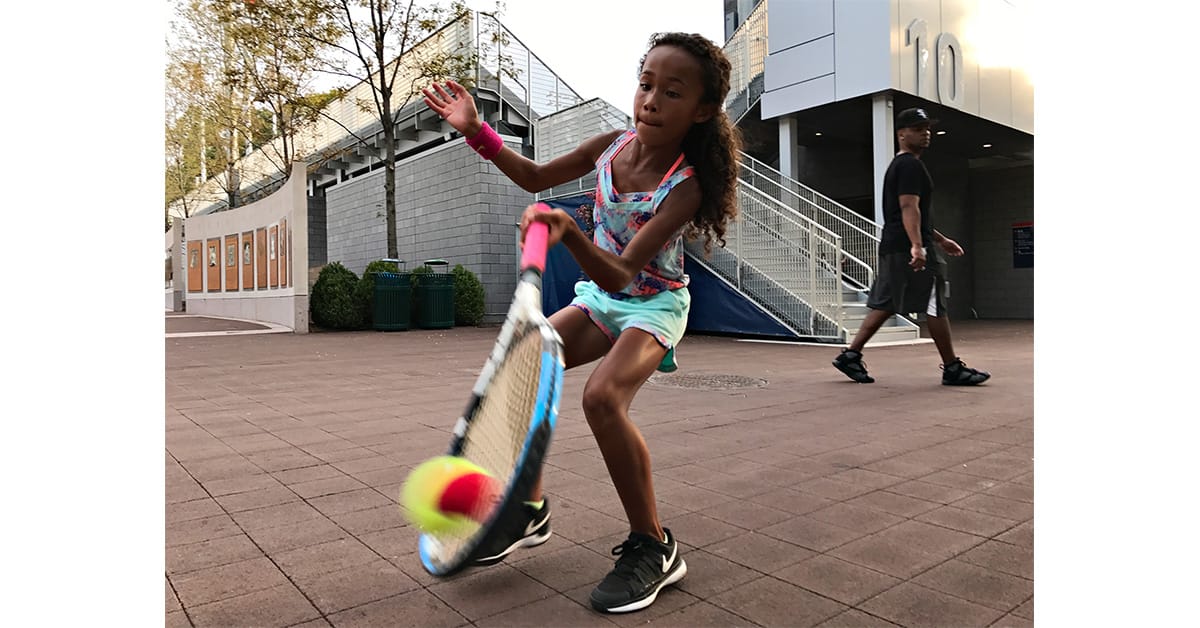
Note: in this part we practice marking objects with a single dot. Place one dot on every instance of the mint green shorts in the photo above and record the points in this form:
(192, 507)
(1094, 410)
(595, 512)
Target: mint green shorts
(663, 315)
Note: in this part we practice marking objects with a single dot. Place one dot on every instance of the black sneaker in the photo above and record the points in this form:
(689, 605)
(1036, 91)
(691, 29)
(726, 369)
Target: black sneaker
(644, 566)
(958, 374)
(529, 531)
(850, 362)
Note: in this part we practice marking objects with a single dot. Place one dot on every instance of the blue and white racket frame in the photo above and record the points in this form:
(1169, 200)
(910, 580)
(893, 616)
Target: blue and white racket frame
(524, 317)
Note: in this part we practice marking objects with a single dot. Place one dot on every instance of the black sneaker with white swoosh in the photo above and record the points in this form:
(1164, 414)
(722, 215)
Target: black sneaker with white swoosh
(521, 532)
(644, 566)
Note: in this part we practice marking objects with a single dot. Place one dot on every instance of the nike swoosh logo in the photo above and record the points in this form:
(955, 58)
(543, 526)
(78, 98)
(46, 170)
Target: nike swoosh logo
(667, 560)
(532, 527)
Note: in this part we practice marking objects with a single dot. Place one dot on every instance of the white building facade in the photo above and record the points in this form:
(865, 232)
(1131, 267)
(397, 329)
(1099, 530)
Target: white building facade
(826, 79)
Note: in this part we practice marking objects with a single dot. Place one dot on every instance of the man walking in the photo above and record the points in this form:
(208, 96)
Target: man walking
(912, 275)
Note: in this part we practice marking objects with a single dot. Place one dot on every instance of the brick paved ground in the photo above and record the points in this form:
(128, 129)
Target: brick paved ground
(801, 499)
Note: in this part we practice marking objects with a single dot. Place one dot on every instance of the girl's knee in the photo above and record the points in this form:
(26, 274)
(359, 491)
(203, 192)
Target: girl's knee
(601, 405)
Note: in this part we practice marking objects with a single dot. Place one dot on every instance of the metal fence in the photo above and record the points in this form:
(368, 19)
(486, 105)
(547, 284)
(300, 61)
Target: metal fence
(508, 65)
(859, 235)
(789, 264)
(561, 132)
(747, 53)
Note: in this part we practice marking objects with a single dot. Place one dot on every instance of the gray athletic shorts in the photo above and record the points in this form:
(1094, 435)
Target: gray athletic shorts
(901, 290)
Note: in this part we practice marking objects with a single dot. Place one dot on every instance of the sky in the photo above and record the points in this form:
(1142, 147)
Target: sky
(596, 52)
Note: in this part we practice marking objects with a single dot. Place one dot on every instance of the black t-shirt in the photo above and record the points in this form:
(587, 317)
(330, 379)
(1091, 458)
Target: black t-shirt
(905, 175)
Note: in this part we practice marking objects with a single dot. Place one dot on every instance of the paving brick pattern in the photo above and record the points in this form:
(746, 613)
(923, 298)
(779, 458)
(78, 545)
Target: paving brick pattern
(807, 501)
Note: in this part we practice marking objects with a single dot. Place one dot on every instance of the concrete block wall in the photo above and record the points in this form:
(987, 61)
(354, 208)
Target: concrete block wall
(450, 205)
(355, 222)
(1001, 198)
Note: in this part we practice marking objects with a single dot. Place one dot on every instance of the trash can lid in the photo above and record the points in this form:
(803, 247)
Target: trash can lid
(436, 262)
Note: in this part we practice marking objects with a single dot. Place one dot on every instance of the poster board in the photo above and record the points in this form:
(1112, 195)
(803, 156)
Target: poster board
(247, 261)
(261, 256)
(273, 255)
(212, 261)
(195, 269)
(231, 262)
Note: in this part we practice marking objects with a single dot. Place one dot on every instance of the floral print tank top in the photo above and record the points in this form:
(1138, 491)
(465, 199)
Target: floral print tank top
(617, 218)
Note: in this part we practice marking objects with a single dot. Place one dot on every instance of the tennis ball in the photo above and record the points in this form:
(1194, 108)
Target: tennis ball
(448, 495)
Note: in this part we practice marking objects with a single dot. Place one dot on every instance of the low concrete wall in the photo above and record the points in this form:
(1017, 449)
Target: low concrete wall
(251, 262)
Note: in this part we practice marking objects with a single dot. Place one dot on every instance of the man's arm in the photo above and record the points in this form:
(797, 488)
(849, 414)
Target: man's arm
(951, 247)
(910, 214)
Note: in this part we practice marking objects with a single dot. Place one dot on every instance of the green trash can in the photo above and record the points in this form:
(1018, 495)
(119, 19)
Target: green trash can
(435, 297)
(390, 301)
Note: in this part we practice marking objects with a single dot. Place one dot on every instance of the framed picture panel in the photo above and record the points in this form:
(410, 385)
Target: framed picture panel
(247, 261)
(212, 257)
(273, 255)
(260, 239)
(195, 267)
(283, 253)
(231, 262)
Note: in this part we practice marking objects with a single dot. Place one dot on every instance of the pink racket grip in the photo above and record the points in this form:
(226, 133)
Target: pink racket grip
(533, 255)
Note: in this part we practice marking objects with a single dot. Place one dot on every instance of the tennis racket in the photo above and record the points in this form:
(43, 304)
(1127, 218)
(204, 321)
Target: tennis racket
(507, 424)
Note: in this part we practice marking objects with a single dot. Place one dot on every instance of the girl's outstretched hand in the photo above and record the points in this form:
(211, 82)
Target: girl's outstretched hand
(456, 107)
(557, 220)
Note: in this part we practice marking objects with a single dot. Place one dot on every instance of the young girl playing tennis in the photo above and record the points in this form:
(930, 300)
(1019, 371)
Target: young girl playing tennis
(673, 174)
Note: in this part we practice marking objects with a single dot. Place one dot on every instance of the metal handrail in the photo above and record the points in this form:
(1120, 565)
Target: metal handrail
(857, 232)
(841, 217)
(746, 51)
(789, 264)
(809, 222)
(818, 248)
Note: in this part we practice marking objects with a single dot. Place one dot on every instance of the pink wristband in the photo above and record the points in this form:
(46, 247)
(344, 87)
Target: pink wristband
(486, 142)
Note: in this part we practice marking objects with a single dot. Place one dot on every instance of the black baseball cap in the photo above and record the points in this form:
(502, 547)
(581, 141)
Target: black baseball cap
(913, 117)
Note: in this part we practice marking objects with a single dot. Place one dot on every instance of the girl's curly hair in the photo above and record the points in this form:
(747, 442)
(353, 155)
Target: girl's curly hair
(711, 147)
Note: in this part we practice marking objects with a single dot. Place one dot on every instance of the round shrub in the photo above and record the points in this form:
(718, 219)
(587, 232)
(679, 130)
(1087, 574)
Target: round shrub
(332, 301)
(468, 297)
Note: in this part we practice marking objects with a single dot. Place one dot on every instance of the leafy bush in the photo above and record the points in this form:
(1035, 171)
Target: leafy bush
(332, 302)
(364, 290)
(468, 297)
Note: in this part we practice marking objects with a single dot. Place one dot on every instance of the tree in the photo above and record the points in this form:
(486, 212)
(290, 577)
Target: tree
(275, 69)
(378, 46)
(190, 135)
(244, 62)
(199, 55)
(183, 152)
(236, 66)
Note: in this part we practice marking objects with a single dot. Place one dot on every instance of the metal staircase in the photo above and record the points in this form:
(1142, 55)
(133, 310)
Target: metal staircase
(796, 253)
(801, 257)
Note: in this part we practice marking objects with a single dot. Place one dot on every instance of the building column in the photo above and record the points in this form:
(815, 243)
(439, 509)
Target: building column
(789, 143)
(883, 144)
(178, 265)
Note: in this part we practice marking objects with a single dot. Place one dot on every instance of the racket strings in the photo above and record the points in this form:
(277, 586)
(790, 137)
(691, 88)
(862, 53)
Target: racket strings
(497, 430)
(496, 434)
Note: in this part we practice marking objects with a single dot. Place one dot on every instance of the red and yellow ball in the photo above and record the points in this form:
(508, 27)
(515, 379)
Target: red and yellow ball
(448, 495)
